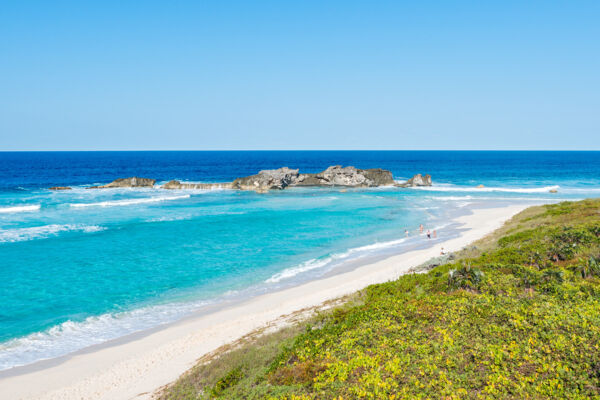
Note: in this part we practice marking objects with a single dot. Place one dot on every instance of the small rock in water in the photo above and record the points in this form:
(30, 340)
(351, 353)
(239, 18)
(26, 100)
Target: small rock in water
(417, 180)
(60, 188)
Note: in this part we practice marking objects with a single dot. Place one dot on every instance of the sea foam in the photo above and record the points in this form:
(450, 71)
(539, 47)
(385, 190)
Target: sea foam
(128, 202)
(71, 336)
(43, 232)
(17, 209)
(316, 263)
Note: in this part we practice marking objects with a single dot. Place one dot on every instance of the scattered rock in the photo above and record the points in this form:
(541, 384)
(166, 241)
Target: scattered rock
(267, 179)
(553, 191)
(480, 186)
(127, 183)
(417, 180)
(60, 188)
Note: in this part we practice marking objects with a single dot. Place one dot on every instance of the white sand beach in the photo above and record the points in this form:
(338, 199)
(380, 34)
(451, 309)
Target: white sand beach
(135, 367)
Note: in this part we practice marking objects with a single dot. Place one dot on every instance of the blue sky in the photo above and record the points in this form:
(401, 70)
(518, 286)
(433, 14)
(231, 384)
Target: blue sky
(299, 75)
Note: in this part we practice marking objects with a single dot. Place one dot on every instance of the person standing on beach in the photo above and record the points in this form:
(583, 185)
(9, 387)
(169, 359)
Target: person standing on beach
(428, 234)
(421, 228)
(434, 234)
(406, 232)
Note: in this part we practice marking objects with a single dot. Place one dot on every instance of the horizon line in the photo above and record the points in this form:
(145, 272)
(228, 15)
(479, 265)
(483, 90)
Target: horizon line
(288, 150)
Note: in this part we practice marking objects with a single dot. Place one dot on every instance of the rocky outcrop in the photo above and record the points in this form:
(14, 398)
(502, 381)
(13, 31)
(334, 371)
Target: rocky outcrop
(178, 185)
(282, 178)
(60, 188)
(127, 183)
(333, 176)
(417, 180)
(267, 179)
(346, 176)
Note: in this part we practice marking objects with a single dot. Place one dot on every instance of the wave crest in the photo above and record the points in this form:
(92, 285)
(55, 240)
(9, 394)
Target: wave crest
(17, 209)
(128, 202)
(43, 232)
(316, 263)
(71, 336)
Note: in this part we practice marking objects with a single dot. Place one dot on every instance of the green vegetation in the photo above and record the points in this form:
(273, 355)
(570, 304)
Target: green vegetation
(516, 316)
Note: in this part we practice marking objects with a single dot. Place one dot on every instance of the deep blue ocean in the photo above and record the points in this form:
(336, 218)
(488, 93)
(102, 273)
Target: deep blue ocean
(82, 267)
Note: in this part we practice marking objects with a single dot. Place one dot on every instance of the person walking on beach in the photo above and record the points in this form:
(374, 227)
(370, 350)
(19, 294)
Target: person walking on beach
(406, 232)
(428, 234)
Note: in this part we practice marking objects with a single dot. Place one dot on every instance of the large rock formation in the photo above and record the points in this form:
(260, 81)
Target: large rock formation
(178, 185)
(333, 176)
(267, 179)
(127, 183)
(346, 176)
(60, 188)
(417, 180)
(282, 178)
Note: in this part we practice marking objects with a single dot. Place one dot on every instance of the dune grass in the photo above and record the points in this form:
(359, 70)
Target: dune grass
(516, 316)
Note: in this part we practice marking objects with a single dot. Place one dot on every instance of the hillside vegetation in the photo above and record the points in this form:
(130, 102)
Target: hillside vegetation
(517, 316)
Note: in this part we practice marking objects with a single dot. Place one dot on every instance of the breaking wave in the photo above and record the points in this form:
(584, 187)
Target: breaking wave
(316, 263)
(17, 209)
(128, 202)
(43, 232)
(71, 336)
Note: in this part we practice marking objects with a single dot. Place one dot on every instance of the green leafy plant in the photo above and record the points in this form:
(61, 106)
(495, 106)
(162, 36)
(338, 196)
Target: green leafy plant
(589, 267)
(465, 277)
(230, 379)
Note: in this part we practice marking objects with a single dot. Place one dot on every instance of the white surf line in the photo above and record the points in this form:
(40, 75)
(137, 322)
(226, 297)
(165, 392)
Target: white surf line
(128, 202)
(17, 209)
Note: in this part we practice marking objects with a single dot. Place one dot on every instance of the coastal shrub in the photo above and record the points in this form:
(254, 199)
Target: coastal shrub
(230, 379)
(465, 277)
(553, 276)
(564, 207)
(588, 268)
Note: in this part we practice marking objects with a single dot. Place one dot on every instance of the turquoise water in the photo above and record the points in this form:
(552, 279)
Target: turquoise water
(84, 266)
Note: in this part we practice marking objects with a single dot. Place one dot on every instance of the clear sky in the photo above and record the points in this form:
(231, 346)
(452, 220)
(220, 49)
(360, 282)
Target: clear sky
(162, 75)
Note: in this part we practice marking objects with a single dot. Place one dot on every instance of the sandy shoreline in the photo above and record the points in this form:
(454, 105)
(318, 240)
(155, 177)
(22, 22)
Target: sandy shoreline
(135, 369)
